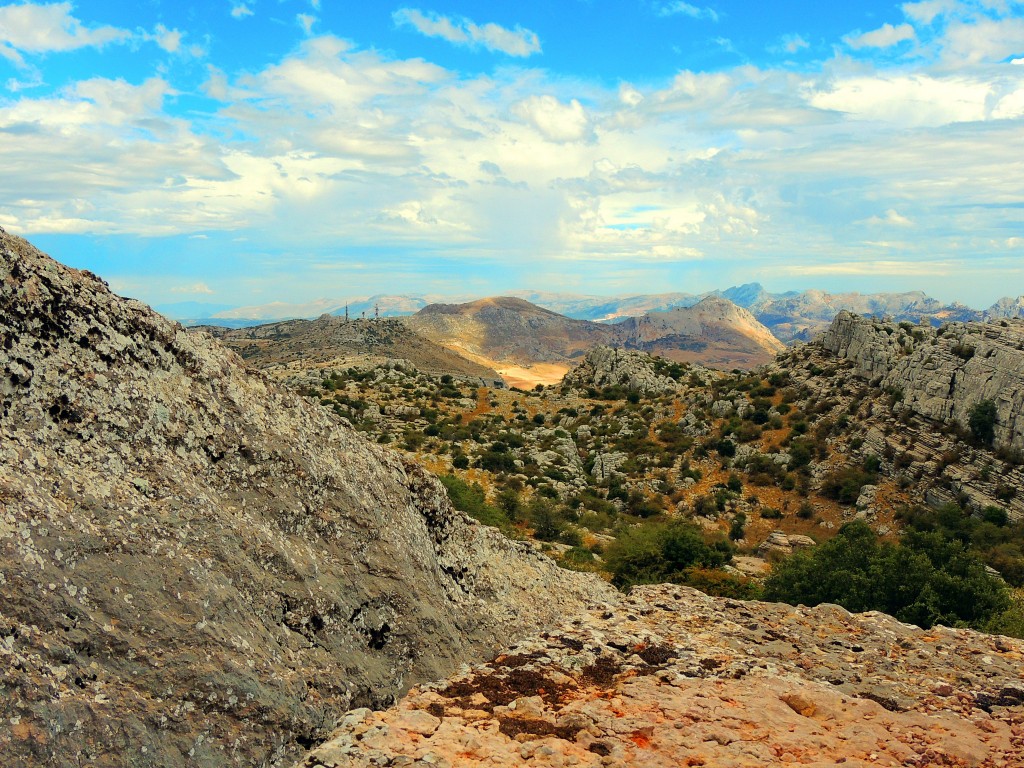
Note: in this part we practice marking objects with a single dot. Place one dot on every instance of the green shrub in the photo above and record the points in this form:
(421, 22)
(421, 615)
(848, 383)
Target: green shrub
(658, 552)
(471, 500)
(926, 579)
(844, 484)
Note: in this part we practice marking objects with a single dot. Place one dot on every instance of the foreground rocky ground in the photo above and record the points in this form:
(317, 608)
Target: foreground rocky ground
(672, 677)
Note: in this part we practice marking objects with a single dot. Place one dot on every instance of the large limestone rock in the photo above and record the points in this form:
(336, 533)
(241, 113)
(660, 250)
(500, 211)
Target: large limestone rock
(942, 374)
(672, 677)
(199, 568)
(629, 369)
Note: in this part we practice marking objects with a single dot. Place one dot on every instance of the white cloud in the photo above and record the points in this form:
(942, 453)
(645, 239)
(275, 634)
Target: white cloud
(891, 218)
(869, 267)
(680, 8)
(885, 36)
(555, 120)
(193, 289)
(31, 28)
(42, 28)
(167, 39)
(347, 144)
(983, 40)
(240, 11)
(793, 43)
(907, 100)
(306, 21)
(494, 37)
(926, 11)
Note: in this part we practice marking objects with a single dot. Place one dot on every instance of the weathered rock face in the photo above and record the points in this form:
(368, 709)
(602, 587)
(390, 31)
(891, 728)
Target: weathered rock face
(942, 374)
(200, 568)
(670, 677)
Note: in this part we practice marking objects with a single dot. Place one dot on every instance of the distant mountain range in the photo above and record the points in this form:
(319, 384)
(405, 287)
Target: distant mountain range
(520, 339)
(790, 316)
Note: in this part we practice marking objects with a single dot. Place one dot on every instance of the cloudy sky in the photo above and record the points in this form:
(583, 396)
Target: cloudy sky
(241, 152)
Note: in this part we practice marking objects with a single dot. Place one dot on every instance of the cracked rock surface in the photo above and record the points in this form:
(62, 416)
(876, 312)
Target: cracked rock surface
(199, 568)
(672, 677)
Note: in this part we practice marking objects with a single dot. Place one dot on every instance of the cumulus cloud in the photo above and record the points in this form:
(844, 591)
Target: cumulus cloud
(555, 120)
(42, 28)
(680, 8)
(885, 36)
(349, 144)
(926, 11)
(907, 99)
(31, 28)
(240, 11)
(461, 31)
(167, 39)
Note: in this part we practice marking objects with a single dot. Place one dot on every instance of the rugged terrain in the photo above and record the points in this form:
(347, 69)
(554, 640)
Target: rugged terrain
(672, 677)
(201, 567)
(198, 567)
(331, 340)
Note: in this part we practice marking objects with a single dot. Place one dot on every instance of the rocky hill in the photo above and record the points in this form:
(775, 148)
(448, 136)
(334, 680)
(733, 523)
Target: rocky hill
(633, 371)
(714, 332)
(941, 374)
(512, 333)
(331, 341)
(198, 567)
(509, 330)
(672, 677)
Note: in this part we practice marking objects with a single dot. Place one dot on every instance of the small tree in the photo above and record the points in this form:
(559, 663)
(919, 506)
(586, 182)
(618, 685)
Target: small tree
(982, 421)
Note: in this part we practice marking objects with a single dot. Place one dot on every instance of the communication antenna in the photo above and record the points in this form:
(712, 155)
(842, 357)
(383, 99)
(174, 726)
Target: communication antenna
(346, 313)
(376, 311)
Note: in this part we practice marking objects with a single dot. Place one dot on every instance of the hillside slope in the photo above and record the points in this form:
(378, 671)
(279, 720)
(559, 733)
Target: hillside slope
(714, 332)
(509, 330)
(330, 340)
(200, 568)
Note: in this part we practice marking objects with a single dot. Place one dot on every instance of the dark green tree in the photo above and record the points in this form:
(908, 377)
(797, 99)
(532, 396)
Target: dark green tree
(982, 421)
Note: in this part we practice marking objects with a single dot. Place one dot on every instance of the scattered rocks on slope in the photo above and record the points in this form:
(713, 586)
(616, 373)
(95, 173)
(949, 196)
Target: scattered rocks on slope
(198, 567)
(672, 677)
(611, 367)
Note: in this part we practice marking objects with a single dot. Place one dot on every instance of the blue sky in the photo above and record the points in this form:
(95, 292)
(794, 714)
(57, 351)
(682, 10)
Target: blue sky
(240, 153)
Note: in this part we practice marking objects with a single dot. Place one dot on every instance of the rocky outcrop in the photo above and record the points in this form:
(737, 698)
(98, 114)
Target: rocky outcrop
(629, 369)
(778, 544)
(942, 373)
(672, 677)
(200, 568)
